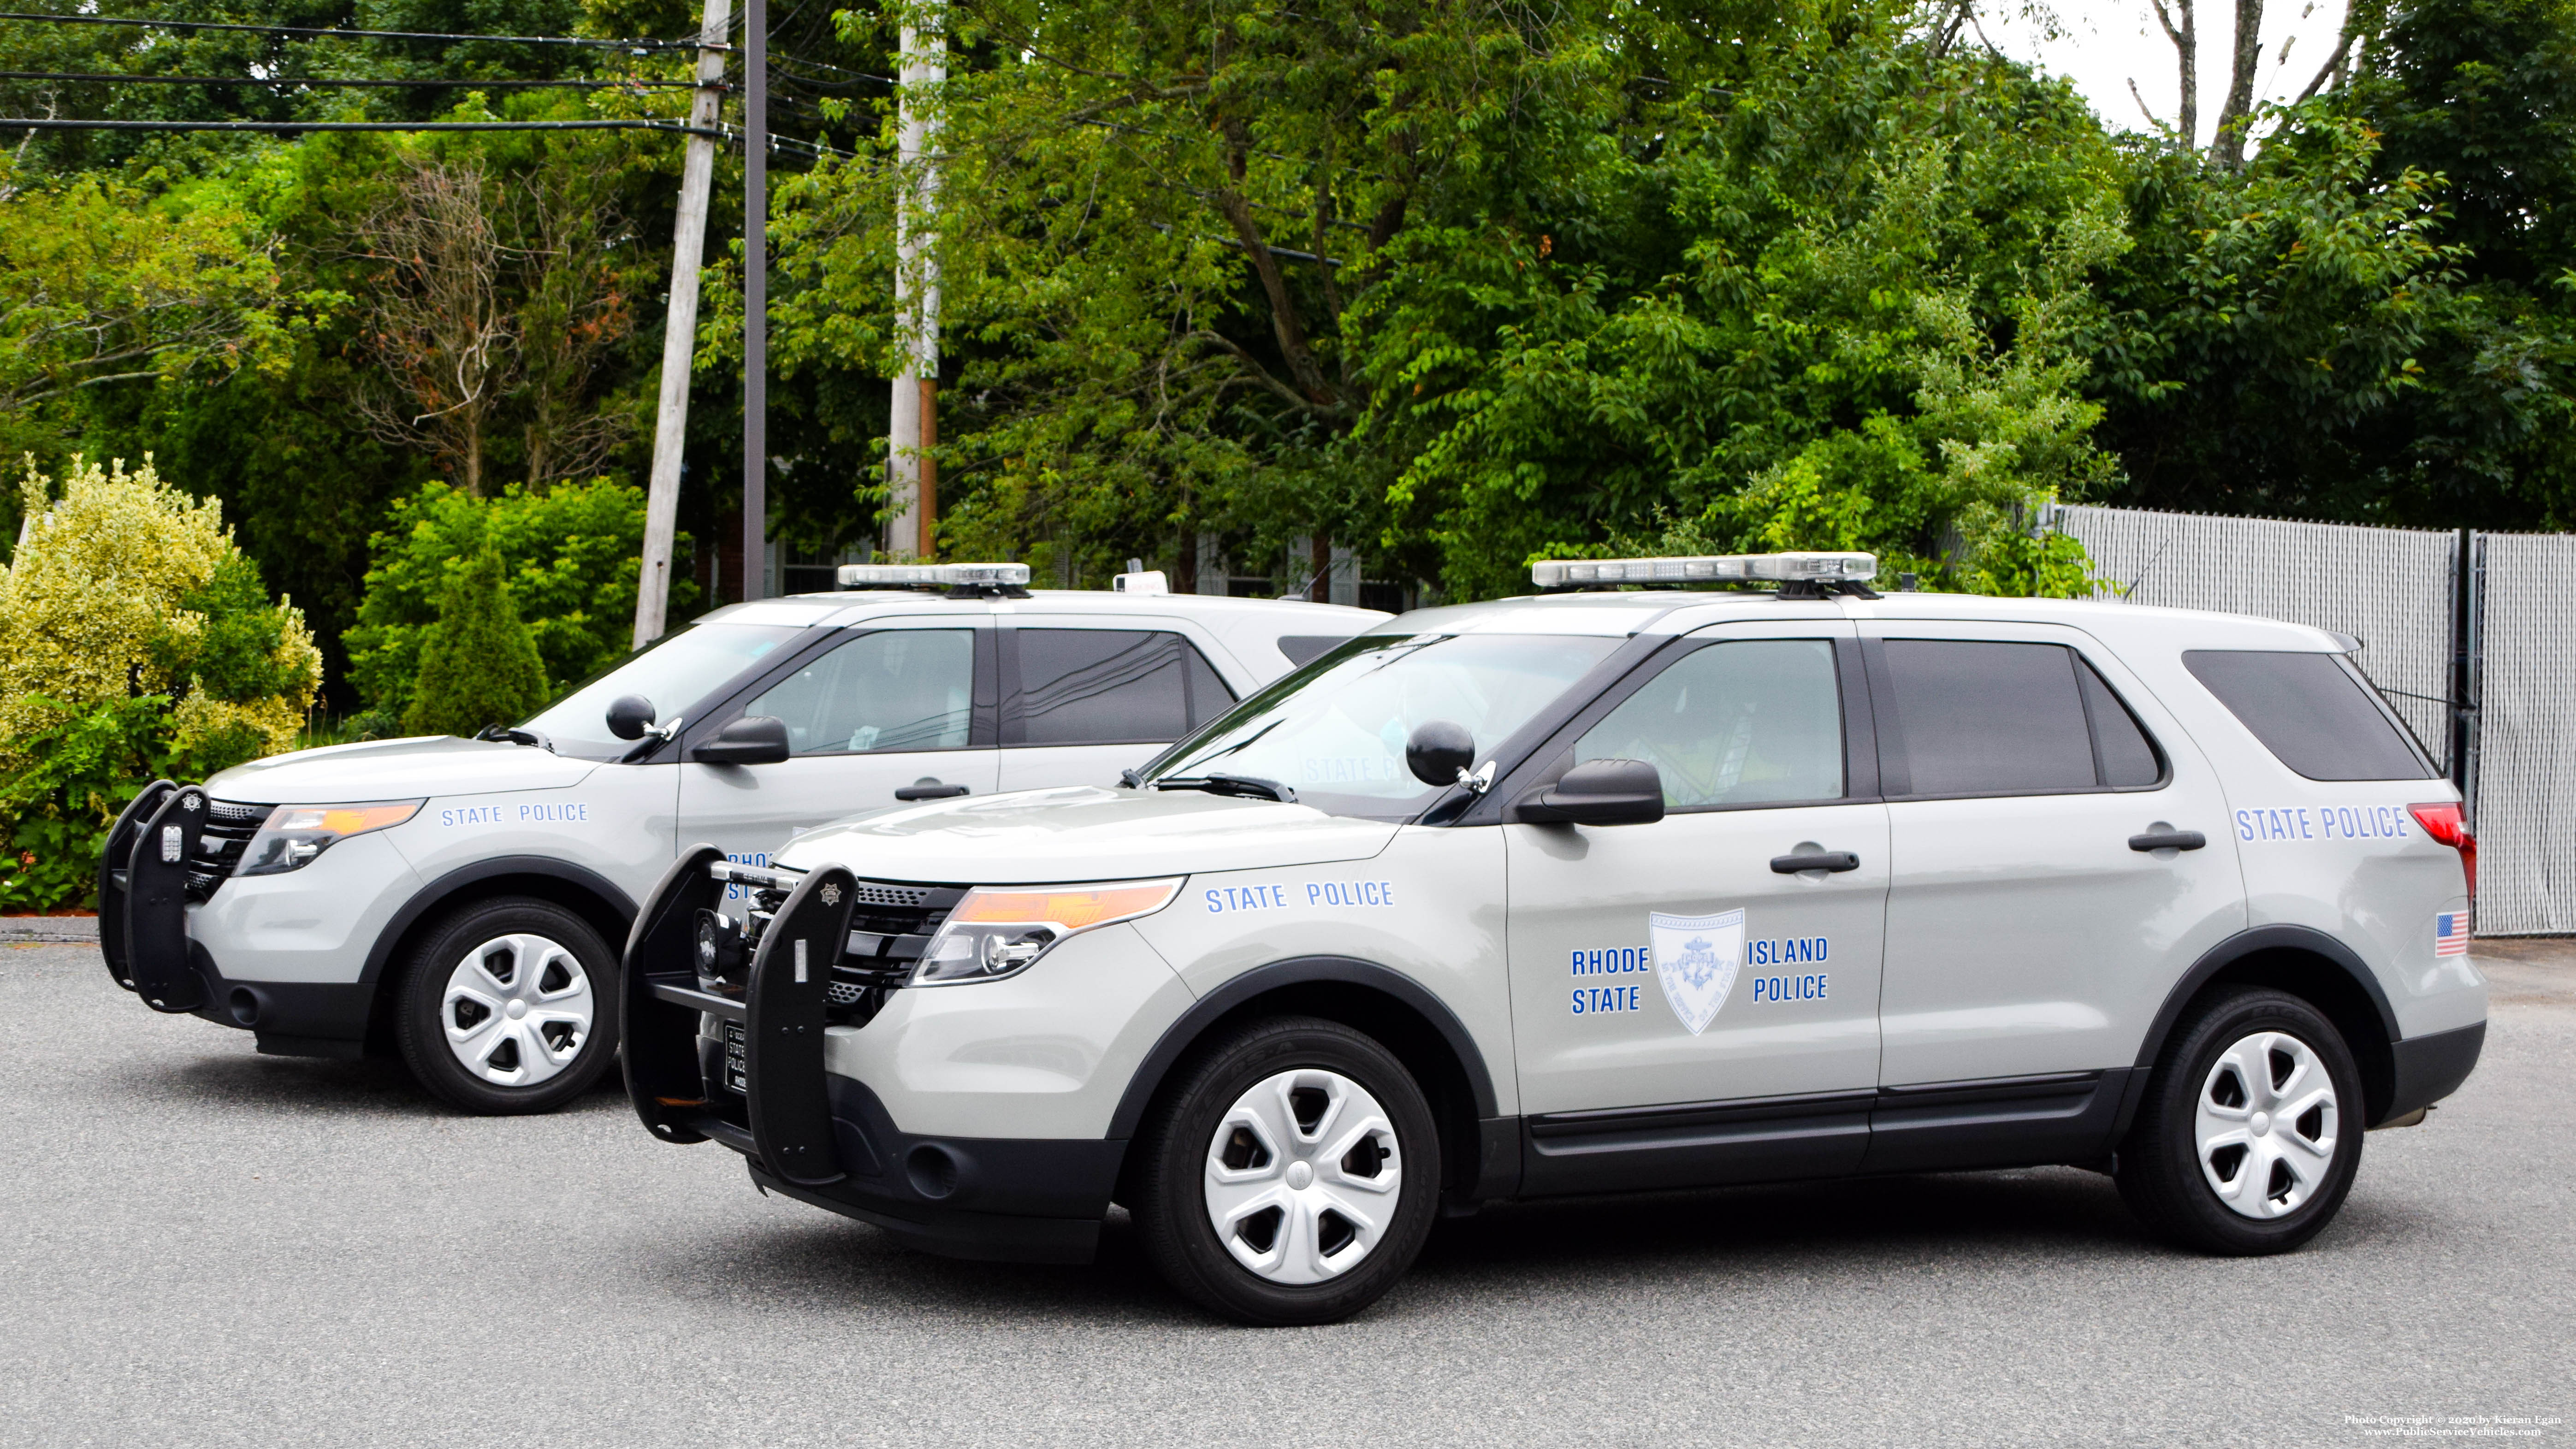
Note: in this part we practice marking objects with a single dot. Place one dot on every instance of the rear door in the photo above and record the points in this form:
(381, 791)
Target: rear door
(903, 704)
(1686, 1008)
(2028, 935)
(1084, 698)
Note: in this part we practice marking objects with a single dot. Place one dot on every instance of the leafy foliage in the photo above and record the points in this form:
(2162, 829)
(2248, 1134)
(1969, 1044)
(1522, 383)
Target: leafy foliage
(478, 666)
(570, 557)
(135, 639)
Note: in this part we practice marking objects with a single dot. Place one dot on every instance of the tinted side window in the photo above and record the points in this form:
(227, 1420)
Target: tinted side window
(900, 689)
(1113, 686)
(1209, 696)
(1753, 721)
(1980, 718)
(2309, 711)
(2128, 756)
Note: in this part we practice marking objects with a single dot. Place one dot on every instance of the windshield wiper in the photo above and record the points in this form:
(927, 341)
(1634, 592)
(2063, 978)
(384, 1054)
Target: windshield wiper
(505, 734)
(1234, 785)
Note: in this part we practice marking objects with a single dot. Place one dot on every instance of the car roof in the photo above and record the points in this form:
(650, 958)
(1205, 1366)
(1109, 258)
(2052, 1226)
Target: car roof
(1253, 630)
(1678, 611)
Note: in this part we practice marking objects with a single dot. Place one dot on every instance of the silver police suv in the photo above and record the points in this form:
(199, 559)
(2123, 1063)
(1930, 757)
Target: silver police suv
(461, 901)
(1606, 891)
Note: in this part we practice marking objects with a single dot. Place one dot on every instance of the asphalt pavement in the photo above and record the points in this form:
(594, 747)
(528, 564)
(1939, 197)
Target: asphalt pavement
(203, 1246)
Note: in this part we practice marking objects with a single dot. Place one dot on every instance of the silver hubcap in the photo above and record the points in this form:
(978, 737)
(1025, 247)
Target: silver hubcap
(518, 1010)
(1303, 1176)
(2266, 1125)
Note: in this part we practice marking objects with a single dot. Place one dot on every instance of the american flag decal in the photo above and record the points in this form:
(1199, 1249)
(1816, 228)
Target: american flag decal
(2451, 933)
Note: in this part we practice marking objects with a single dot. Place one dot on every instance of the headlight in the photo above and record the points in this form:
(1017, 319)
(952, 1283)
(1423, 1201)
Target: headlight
(295, 834)
(1000, 931)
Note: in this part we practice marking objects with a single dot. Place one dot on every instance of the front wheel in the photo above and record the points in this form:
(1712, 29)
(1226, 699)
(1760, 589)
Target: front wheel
(2250, 1133)
(508, 1006)
(1290, 1176)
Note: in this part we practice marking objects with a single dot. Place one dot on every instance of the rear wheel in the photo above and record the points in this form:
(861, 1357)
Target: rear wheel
(1290, 1177)
(508, 1006)
(2250, 1134)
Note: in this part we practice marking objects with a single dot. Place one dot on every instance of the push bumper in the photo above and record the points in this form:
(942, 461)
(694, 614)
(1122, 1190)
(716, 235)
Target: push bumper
(143, 934)
(753, 1080)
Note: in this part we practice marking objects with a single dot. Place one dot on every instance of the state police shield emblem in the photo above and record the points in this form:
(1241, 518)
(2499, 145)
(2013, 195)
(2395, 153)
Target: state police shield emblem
(1696, 958)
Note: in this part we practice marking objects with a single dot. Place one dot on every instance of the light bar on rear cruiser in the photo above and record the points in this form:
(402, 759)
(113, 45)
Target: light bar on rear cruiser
(1731, 568)
(935, 576)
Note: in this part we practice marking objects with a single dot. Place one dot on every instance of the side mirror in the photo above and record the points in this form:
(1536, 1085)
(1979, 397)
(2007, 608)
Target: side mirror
(754, 739)
(629, 716)
(1438, 750)
(1597, 792)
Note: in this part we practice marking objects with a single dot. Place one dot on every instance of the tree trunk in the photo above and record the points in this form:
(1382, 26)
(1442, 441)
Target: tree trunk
(2227, 143)
(2185, 36)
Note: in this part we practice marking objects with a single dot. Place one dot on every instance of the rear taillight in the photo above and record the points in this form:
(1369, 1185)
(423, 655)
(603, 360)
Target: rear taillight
(2444, 822)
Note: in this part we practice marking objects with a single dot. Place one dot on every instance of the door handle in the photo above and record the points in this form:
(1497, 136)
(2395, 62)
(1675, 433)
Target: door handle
(927, 788)
(2168, 840)
(1814, 860)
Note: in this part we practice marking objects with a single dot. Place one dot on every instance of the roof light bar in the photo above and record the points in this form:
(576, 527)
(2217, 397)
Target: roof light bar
(935, 576)
(1733, 568)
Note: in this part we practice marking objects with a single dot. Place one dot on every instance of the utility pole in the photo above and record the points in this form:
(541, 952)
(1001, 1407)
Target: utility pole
(912, 475)
(755, 296)
(679, 333)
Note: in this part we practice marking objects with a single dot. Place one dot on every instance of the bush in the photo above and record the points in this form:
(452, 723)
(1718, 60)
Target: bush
(570, 554)
(135, 640)
(478, 665)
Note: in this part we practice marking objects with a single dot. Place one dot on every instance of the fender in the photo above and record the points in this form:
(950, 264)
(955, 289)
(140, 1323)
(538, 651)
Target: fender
(2225, 954)
(439, 891)
(1298, 971)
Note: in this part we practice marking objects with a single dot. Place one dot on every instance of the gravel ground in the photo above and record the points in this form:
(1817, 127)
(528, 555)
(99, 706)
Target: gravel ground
(200, 1245)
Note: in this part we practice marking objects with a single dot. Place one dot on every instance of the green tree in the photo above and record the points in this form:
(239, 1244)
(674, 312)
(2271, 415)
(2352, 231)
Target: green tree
(478, 666)
(571, 557)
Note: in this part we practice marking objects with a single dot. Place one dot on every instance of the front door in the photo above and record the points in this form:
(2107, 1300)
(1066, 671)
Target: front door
(2027, 939)
(1689, 1004)
(892, 709)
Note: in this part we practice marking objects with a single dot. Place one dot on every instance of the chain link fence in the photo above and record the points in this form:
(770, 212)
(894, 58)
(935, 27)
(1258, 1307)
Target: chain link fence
(2522, 624)
(2508, 635)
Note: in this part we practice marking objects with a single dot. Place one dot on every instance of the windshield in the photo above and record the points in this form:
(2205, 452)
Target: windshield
(676, 671)
(1335, 731)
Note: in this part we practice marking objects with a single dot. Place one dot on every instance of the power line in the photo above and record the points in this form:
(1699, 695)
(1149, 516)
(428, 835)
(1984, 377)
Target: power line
(638, 45)
(293, 128)
(115, 78)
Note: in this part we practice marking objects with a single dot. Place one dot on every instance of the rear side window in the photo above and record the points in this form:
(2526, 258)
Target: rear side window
(2310, 711)
(1980, 718)
(1113, 686)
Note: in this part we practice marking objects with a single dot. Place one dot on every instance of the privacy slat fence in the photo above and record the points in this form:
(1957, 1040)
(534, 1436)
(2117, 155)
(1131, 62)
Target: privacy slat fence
(2506, 737)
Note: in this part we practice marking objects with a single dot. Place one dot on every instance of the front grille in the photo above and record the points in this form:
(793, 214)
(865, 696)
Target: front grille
(228, 827)
(889, 930)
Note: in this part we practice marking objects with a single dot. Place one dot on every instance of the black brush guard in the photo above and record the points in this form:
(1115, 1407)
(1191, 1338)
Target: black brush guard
(143, 896)
(786, 1117)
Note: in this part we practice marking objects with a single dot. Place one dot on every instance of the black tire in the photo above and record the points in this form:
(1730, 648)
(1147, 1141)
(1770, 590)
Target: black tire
(1170, 1203)
(2161, 1171)
(421, 996)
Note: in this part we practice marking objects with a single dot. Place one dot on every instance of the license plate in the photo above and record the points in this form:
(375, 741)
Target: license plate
(737, 1045)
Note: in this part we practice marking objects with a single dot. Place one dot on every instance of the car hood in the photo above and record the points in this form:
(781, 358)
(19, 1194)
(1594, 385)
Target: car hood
(1084, 832)
(396, 770)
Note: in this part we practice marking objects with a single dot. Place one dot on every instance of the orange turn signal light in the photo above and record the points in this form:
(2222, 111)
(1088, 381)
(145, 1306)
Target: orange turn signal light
(1074, 908)
(343, 820)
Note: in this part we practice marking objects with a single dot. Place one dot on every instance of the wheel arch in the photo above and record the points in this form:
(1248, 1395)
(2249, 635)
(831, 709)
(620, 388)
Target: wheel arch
(2306, 963)
(1399, 1012)
(584, 892)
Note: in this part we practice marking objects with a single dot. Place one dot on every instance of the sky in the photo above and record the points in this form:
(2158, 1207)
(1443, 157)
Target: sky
(2105, 45)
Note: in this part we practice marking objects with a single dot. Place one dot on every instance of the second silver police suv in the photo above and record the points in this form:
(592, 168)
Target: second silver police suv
(461, 901)
(1599, 892)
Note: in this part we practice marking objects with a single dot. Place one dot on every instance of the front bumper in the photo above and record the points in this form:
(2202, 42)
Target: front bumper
(167, 937)
(818, 1137)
